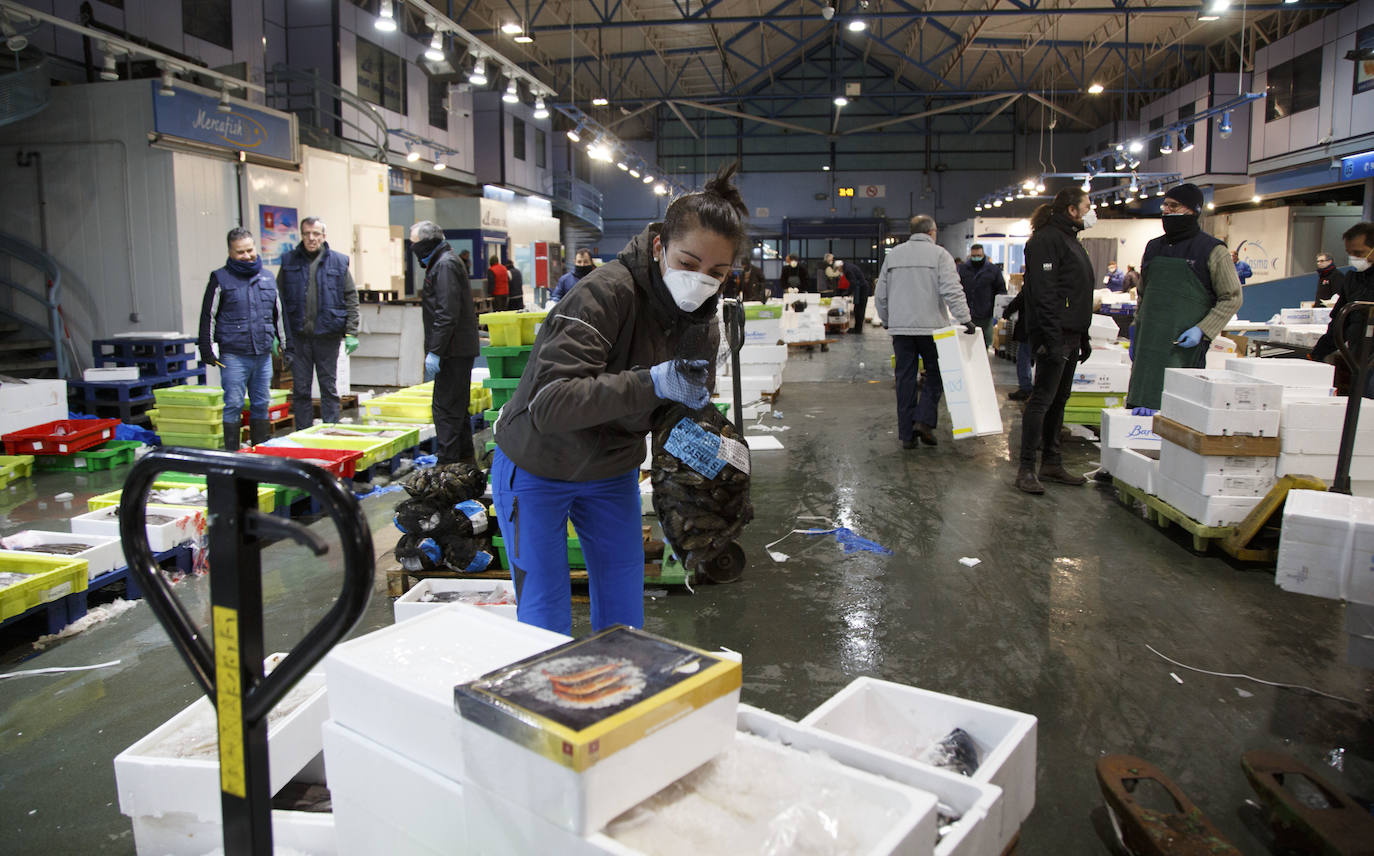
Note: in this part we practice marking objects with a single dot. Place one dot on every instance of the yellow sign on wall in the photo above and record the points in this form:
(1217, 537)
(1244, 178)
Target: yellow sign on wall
(845, 191)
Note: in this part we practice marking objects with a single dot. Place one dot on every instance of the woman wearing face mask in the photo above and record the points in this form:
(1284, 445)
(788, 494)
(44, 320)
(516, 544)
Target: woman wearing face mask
(634, 336)
(1188, 293)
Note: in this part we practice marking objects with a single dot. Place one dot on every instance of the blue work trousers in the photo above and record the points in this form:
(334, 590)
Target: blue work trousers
(1024, 379)
(533, 513)
(252, 372)
(913, 407)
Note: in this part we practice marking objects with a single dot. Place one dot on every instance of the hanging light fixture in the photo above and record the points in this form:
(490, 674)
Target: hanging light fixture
(600, 101)
(510, 28)
(575, 134)
(439, 165)
(634, 173)
(1009, 197)
(857, 25)
(524, 37)
(1185, 145)
(512, 95)
(1167, 146)
(660, 189)
(386, 19)
(1095, 88)
(478, 75)
(621, 165)
(167, 87)
(841, 101)
(108, 70)
(224, 106)
(435, 51)
(648, 179)
(1039, 187)
(1224, 129)
(997, 203)
(541, 110)
(1087, 183)
(411, 154)
(1135, 185)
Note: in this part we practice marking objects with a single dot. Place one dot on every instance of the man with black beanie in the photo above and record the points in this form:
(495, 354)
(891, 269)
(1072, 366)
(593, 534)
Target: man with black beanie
(451, 343)
(1189, 292)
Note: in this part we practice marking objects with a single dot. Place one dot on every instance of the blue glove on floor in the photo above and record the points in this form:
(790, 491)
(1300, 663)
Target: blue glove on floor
(1191, 338)
(687, 386)
(431, 366)
(1143, 411)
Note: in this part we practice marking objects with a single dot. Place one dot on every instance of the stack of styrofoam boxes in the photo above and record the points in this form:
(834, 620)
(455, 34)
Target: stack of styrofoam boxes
(1326, 546)
(808, 325)
(1301, 327)
(762, 323)
(1130, 448)
(169, 784)
(1107, 370)
(1217, 490)
(898, 722)
(760, 370)
(25, 403)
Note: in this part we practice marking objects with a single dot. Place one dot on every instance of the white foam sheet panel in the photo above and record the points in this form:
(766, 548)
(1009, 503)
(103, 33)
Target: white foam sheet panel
(969, 392)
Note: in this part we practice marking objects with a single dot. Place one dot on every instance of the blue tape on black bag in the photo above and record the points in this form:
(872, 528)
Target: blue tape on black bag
(695, 447)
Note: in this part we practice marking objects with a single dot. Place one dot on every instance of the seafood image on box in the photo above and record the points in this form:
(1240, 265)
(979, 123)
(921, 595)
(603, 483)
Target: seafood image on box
(583, 701)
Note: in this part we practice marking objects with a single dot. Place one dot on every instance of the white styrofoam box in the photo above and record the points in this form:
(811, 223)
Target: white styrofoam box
(1181, 464)
(1103, 329)
(974, 410)
(646, 496)
(1305, 335)
(1297, 441)
(890, 717)
(497, 826)
(1315, 543)
(19, 394)
(387, 803)
(17, 419)
(807, 332)
(1324, 466)
(583, 802)
(1326, 413)
(412, 603)
(1360, 587)
(763, 331)
(1289, 317)
(1223, 390)
(395, 685)
(762, 354)
(1138, 468)
(1321, 315)
(152, 780)
(757, 381)
(187, 524)
(182, 834)
(978, 805)
(1218, 421)
(1109, 355)
(1278, 334)
(1109, 458)
(111, 373)
(105, 554)
(1101, 376)
(1207, 510)
(1123, 430)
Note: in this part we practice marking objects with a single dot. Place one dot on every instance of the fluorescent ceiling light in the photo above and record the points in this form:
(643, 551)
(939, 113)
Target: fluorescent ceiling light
(600, 101)
(1095, 89)
(857, 25)
(510, 28)
(841, 101)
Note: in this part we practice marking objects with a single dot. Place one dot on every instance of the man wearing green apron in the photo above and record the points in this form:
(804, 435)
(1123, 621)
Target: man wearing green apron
(1188, 294)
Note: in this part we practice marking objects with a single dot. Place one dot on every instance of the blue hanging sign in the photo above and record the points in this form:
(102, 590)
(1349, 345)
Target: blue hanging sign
(193, 116)
(1357, 167)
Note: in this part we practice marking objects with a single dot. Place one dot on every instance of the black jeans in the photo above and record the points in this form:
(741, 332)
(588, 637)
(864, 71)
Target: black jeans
(1044, 414)
(860, 307)
(452, 425)
(314, 357)
(912, 410)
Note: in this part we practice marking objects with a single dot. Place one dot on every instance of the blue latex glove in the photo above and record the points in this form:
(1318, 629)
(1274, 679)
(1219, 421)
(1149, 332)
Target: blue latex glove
(431, 366)
(686, 387)
(1143, 411)
(1191, 338)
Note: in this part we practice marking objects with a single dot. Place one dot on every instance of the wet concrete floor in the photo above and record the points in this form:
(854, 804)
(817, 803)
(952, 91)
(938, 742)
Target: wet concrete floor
(1055, 621)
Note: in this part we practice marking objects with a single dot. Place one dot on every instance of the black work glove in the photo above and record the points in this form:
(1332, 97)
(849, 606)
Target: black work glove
(970, 327)
(208, 355)
(1085, 350)
(1007, 313)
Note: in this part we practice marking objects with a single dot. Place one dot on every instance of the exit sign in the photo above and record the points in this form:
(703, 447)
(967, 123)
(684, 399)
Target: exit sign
(844, 191)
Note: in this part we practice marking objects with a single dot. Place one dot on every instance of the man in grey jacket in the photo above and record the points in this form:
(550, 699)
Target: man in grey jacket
(918, 289)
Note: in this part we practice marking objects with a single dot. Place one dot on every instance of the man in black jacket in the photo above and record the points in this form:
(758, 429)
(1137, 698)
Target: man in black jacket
(1330, 280)
(450, 321)
(982, 281)
(321, 306)
(1059, 308)
(859, 287)
(1358, 285)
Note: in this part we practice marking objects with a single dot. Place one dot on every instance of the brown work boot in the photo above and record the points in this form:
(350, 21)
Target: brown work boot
(1026, 481)
(1057, 473)
(926, 434)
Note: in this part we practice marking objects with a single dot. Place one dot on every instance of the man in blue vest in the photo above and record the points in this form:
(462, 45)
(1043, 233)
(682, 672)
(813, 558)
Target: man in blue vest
(321, 305)
(242, 315)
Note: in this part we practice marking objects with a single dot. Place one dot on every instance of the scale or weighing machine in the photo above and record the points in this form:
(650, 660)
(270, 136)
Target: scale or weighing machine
(229, 667)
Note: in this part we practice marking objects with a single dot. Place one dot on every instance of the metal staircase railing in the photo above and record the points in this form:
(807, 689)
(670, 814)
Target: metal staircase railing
(51, 303)
(579, 199)
(25, 84)
(318, 104)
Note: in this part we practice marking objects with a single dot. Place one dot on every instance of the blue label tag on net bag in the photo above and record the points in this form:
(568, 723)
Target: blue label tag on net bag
(695, 447)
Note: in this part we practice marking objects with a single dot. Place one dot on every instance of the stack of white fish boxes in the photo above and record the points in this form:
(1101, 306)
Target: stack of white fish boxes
(1220, 446)
(1130, 448)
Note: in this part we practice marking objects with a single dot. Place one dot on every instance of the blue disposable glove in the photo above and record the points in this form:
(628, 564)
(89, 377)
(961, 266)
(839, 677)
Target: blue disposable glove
(1191, 338)
(431, 366)
(1143, 411)
(686, 386)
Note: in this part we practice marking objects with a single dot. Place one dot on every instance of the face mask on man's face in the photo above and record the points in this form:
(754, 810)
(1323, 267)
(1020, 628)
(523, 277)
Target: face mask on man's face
(1359, 263)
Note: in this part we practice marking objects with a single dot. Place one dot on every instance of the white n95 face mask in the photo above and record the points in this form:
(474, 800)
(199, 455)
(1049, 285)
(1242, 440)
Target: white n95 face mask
(1359, 264)
(689, 288)
(1090, 218)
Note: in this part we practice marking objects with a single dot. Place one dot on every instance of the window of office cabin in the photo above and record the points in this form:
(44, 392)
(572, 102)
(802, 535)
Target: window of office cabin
(517, 138)
(381, 76)
(541, 148)
(208, 20)
(1294, 86)
(438, 104)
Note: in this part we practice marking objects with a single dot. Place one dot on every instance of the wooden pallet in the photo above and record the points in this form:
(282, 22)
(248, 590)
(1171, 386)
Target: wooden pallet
(370, 295)
(1205, 444)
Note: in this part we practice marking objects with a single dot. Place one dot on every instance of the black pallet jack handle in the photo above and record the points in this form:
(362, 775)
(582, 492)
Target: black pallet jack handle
(230, 671)
(1359, 355)
(734, 340)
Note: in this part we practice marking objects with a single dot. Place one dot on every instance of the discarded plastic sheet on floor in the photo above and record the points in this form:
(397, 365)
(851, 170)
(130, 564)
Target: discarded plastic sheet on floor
(847, 538)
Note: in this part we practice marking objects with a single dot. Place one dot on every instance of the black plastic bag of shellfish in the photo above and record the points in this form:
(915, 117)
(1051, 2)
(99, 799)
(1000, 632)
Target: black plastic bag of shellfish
(447, 483)
(700, 476)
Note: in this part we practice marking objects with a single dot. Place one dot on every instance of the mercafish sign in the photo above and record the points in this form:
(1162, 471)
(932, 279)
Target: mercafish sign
(195, 117)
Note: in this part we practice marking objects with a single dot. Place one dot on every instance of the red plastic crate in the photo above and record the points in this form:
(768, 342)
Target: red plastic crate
(61, 437)
(342, 462)
(275, 412)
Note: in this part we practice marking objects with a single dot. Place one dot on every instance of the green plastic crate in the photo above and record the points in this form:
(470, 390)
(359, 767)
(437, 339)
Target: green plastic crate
(501, 390)
(203, 396)
(575, 557)
(279, 396)
(17, 467)
(1083, 415)
(192, 441)
(491, 415)
(191, 412)
(163, 425)
(50, 578)
(507, 362)
(113, 454)
(1096, 399)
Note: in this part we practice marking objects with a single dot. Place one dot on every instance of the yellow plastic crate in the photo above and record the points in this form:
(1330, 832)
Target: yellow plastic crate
(267, 496)
(211, 427)
(377, 421)
(192, 441)
(15, 467)
(502, 327)
(529, 321)
(426, 388)
(402, 408)
(190, 395)
(49, 578)
(191, 412)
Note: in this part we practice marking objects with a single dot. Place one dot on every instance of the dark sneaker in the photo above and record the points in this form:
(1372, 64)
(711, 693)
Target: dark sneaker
(1061, 475)
(926, 436)
(1027, 482)
(1019, 395)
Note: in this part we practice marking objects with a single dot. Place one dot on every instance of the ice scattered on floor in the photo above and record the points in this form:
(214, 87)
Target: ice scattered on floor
(199, 738)
(1244, 693)
(753, 798)
(95, 615)
(970, 561)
